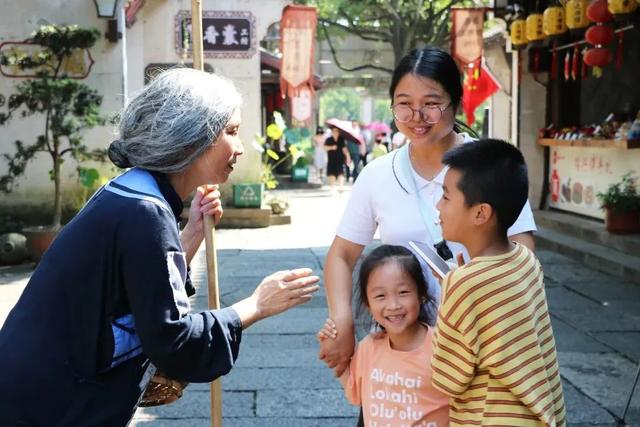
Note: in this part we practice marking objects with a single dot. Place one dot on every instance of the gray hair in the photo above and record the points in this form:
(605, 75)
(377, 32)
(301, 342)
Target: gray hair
(173, 120)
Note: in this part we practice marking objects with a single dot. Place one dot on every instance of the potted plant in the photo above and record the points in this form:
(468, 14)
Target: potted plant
(621, 202)
(65, 105)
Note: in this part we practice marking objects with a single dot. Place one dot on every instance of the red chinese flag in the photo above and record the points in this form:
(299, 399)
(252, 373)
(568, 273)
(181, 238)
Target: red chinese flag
(476, 90)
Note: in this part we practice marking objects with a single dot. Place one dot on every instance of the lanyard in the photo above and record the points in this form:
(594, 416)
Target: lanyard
(427, 211)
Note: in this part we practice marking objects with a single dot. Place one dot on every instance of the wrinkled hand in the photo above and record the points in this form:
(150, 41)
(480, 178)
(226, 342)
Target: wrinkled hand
(285, 289)
(206, 201)
(337, 352)
(328, 331)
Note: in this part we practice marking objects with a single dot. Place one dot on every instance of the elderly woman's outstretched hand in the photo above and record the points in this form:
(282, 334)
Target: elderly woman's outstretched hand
(277, 293)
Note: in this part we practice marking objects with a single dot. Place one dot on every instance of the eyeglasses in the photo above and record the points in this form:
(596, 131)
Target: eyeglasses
(430, 114)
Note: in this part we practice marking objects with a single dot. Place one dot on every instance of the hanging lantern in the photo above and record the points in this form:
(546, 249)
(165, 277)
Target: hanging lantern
(518, 33)
(598, 11)
(597, 57)
(534, 27)
(576, 14)
(553, 21)
(599, 35)
(622, 9)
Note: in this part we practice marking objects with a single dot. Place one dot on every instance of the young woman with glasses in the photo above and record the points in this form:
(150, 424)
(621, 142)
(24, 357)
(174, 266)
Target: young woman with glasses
(396, 195)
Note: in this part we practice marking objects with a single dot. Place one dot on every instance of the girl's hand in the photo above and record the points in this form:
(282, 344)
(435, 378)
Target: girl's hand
(328, 331)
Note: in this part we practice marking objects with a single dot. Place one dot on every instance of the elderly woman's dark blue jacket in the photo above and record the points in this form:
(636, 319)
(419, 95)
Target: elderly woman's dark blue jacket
(108, 298)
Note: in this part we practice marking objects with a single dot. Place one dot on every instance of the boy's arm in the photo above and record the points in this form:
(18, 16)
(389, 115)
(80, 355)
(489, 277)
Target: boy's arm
(454, 360)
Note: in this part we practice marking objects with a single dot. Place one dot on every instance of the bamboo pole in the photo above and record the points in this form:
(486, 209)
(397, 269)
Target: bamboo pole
(209, 227)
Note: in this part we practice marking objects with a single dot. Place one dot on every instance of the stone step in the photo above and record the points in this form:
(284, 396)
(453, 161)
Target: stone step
(589, 230)
(596, 256)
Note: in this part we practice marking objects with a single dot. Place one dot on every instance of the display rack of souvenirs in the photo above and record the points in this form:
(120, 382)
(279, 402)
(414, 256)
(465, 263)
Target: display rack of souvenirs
(613, 128)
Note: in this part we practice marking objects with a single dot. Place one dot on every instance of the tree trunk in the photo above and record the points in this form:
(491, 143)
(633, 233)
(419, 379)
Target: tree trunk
(57, 204)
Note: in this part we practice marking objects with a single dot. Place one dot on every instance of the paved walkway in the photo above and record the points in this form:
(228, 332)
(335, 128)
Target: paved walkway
(278, 380)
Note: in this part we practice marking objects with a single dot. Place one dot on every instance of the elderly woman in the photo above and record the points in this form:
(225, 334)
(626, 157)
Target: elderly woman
(108, 302)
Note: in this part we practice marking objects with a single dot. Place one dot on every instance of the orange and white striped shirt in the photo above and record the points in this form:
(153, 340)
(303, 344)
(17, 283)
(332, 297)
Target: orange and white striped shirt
(494, 351)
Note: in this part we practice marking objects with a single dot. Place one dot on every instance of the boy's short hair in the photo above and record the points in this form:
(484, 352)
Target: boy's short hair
(493, 172)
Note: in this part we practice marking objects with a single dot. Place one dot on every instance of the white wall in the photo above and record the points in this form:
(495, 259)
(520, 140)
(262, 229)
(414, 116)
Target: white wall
(17, 21)
(150, 40)
(501, 101)
(533, 99)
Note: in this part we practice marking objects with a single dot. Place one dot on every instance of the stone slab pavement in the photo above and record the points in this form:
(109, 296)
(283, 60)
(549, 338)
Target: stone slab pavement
(278, 380)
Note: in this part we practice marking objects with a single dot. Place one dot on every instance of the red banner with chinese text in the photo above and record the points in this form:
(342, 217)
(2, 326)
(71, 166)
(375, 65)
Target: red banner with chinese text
(297, 42)
(466, 34)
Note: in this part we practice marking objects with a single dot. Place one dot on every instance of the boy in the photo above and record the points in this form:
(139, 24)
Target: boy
(494, 351)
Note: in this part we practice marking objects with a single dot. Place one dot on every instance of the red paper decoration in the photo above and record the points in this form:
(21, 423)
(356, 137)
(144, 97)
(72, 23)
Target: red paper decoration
(597, 57)
(598, 11)
(599, 35)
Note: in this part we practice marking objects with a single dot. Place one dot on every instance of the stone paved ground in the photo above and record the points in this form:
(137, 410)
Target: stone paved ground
(279, 382)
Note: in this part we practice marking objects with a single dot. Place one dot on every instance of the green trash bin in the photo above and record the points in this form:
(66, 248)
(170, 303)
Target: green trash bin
(247, 195)
(300, 174)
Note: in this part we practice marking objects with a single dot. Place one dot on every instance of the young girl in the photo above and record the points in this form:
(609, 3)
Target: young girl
(389, 374)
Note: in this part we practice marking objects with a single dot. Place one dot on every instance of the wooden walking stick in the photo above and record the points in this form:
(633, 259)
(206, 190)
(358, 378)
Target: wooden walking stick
(209, 226)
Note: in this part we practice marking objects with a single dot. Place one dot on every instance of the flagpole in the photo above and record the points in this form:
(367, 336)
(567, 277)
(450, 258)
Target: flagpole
(209, 226)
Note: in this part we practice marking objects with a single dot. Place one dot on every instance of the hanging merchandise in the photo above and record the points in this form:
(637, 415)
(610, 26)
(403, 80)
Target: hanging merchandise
(554, 61)
(534, 28)
(598, 35)
(574, 62)
(622, 9)
(619, 50)
(583, 70)
(518, 33)
(553, 22)
(576, 14)
(535, 35)
(597, 11)
(597, 57)
(567, 65)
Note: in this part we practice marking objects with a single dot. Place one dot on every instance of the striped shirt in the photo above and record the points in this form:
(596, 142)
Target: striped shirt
(494, 351)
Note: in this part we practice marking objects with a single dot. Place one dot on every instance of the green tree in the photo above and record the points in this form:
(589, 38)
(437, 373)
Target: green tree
(403, 24)
(382, 111)
(66, 106)
(341, 103)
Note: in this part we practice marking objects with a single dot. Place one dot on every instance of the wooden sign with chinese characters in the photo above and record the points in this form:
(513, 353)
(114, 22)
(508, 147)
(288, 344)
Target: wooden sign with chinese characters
(76, 66)
(224, 34)
(466, 34)
(297, 41)
(578, 174)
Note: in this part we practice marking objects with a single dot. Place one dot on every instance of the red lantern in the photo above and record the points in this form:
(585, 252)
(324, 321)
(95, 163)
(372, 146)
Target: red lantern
(598, 11)
(597, 57)
(599, 35)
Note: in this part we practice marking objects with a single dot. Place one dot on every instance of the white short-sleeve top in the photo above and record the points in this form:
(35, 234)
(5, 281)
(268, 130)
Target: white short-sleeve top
(383, 198)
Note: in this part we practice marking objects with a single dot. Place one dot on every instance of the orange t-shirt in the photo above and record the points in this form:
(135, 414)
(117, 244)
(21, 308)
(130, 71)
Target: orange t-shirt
(394, 387)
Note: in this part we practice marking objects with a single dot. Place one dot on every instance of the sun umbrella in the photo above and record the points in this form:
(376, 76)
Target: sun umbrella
(377, 127)
(346, 128)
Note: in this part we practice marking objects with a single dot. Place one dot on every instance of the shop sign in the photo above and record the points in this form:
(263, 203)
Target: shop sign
(578, 174)
(225, 34)
(76, 66)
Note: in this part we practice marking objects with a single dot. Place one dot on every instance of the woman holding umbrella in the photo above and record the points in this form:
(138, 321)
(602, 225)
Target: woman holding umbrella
(397, 194)
(109, 301)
